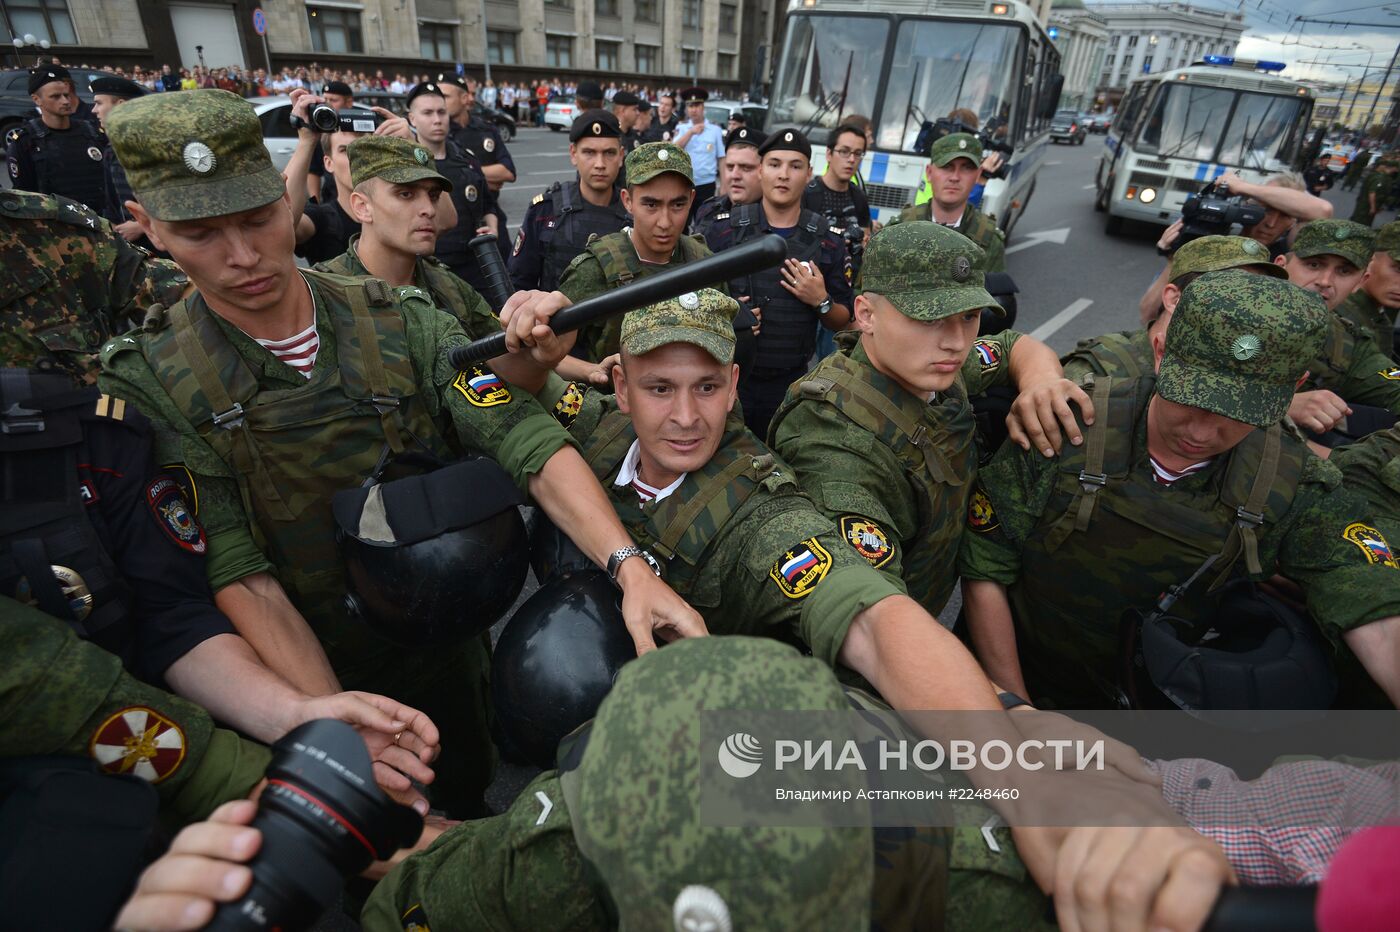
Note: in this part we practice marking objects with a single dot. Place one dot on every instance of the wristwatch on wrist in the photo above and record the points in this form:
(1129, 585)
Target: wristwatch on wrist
(825, 307)
(615, 561)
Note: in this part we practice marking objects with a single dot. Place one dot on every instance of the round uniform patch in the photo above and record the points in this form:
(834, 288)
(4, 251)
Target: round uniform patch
(743, 134)
(980, 515)
(962, 269)
(488, 144)
(800, 569)
(663, 154)
(1392, 374)
(1254, 248)
(139, 741)
(567, 408)
(1341, 234)
(94, 153)
(481, 387)
(421, 155)
(199, 158)
(690, 300)
(470, 193)
(868, 538)
(787, 137)
(987, 353)
(597, 129)
(1245, 347)
(1372, 543)
(962, 143)
(166, 500)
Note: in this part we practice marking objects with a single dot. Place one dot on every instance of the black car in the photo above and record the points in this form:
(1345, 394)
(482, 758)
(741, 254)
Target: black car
(504, 122)
(1068, 126)
(16, 106)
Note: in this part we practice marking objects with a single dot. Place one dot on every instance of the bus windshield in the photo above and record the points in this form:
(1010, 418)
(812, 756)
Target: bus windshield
(831, 68)
(1217, 124)
(940, 66)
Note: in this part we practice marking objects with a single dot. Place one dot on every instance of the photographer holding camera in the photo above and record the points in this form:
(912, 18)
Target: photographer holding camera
(1285, 204)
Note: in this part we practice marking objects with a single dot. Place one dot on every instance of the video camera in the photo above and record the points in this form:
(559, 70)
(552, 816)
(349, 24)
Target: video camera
(852, 232)
(933, 130)
(326, 119)
(1208, 213)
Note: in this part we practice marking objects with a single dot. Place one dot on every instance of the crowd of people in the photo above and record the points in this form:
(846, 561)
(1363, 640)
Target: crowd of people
(236, 487)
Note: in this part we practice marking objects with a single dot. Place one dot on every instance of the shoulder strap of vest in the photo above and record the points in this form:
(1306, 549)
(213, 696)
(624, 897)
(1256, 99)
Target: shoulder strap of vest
(604, 436)
(565, 200)
(1261, 465)
(1106, 453)
(838, 381)
(693, 247)
(1116, 348)
(811, 221)
(617, 258)
(744, 215)
(440, 281)
(746, 459)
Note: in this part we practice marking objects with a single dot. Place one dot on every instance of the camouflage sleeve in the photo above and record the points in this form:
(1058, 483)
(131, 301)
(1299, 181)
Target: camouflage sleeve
(488, 416)
(138, 281)
(1333, 549)
(583, 278)
(577, 407)
(1371, 468)
(518, 870)
(479, 322)
(62, 695)
(1372, 378)
(1006, 505)
(851, 477)
(988, 364)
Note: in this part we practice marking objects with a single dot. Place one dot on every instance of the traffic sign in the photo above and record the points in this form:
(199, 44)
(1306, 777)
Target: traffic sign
(259, 21)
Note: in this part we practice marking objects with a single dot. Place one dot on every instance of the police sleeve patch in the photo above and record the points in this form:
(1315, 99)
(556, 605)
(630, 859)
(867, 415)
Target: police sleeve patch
(988, 353)
(182, 475)
(481, 387)
(415, 919)
(567, 408)
(1372, 543)
(138, 741)
(519, 242)
(868, 539)
(167, 503)
(1392, 374)
(800, 569)
(980, 515)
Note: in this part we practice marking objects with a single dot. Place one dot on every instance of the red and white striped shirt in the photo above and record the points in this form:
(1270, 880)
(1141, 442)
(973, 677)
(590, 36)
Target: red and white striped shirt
(297, 351)
(628, 475)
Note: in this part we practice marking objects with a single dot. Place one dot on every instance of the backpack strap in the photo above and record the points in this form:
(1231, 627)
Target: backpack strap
(756, 467)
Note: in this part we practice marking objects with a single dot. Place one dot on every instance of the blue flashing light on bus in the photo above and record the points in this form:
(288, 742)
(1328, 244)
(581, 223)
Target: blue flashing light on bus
(1229, 61)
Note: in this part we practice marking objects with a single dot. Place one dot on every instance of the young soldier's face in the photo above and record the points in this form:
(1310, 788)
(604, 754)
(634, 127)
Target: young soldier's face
(103, 104)
(922, 356)
(678, 397)
(337, 161)
(784, 176)
(400, 216)
(953, 183)
(660, 209)
(598, 161)
(740, 175)
(56, 98)
(429, 115)
(1382, 279)
(1188, 435)
(1332, 277)
(240, 261)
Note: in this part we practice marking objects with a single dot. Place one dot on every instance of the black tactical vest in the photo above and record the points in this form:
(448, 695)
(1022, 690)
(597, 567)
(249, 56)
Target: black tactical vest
(50, 553)
(789, 332)
(468, 196)
(576, 221)
(64, 162)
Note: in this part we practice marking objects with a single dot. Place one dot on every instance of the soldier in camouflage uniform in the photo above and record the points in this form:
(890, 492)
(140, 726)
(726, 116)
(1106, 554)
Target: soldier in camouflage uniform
(955, 165)
(1189, 464)
(1372, 306)
(1374, 192)
(881, 433)
(73, 284)
(267, 445)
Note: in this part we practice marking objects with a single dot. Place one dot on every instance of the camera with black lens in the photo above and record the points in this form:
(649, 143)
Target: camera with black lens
(324, 118)
(852, 232)
(1209, 213)
(323, 819)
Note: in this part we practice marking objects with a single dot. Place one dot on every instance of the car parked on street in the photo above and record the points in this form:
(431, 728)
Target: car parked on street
(1068, 126)
(559, 114)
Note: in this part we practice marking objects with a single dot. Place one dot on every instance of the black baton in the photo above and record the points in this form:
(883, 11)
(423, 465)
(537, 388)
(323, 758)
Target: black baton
(763, 253)
(497, 290)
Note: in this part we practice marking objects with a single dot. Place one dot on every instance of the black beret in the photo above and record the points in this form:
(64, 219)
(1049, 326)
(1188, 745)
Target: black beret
(44, 74)
(418, 90)
(115, 86)
(626, 99)
(594, 124)
(452, 78)
(590, 90)
(743, 136)
(643, 105)
(695, 95)
(339, 87)
(788, 140)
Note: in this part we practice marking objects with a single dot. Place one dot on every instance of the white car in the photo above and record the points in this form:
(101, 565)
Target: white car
(559, 113)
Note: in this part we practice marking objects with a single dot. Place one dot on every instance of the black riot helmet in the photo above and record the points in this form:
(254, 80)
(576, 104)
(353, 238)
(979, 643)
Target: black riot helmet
(554, 663)
(433, 558)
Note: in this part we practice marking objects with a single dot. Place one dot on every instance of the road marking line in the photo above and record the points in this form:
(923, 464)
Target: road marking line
(1045, 330)
(1089, 187)
(1048, 164)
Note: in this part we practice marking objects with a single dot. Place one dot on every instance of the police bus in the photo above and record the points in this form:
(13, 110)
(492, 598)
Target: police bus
(904, 63)
(1177, 131)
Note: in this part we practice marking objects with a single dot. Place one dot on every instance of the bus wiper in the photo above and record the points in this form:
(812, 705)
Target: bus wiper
(909, 108)
(1184, 143)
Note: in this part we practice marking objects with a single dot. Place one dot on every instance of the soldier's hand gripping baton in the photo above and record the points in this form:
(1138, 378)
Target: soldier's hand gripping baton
(497, 289)
(766, 252)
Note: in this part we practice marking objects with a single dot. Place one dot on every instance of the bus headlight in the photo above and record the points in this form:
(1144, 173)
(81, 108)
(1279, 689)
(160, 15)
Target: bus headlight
(1147, 195)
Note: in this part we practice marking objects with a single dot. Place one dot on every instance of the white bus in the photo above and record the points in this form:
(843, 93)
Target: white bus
(1176, 131)
(903, 62)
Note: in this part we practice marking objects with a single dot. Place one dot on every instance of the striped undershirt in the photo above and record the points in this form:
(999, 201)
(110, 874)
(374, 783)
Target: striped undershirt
(1165, 476)
(297, 351)
(629, 475)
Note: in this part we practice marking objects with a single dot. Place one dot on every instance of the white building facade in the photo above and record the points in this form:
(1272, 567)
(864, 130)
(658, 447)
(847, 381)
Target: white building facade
(1081, 35)
(1145, 38)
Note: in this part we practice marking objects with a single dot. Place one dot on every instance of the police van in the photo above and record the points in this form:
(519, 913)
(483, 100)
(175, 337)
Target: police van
(1177, 131)
(905, 63)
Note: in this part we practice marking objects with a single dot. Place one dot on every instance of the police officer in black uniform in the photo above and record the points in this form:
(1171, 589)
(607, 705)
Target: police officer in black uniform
(746, 141)
(814, 284)
(663, 124)
(561, 221)
(109, 92)
(624, 107)
(53, 153)
(471, 192)
(481, 138)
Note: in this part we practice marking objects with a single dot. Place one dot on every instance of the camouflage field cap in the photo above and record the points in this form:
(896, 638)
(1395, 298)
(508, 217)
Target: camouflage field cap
(395, 160)
(1352, 241)
(956, 146)
(1213, 253)
(638, 821)
(194, 155)
(1238, 343)
(926, 270)
(656, 158)
(1388, 239)
(704, 318)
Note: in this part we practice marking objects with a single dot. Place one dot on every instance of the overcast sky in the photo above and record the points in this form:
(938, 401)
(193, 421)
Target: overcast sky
(1315, 50)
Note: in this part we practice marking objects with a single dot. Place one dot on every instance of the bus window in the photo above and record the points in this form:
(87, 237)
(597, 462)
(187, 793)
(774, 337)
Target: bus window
(1258, 131)
(1186, 121)
(826, 57)
(1128, 109)
(939, 66)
